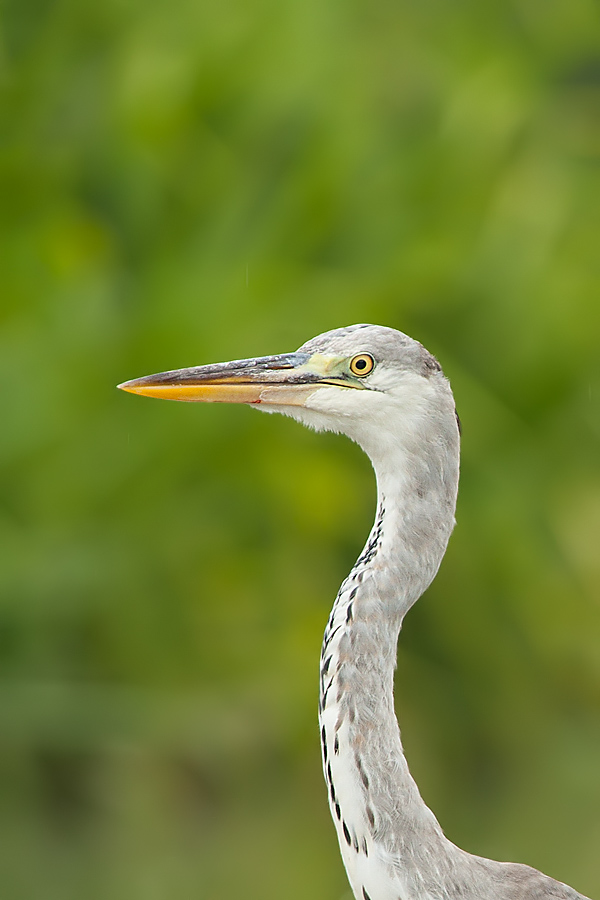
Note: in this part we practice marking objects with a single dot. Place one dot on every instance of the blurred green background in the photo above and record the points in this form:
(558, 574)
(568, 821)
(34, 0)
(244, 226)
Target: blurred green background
(192, 181)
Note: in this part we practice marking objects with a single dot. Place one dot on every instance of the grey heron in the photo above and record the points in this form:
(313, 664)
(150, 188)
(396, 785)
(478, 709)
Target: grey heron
(385, 391)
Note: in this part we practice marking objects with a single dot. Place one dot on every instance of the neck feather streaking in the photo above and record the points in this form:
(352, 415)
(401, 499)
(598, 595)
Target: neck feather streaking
(375, 803)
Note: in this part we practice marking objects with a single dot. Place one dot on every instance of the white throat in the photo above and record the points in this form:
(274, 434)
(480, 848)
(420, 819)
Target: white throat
(375, 804)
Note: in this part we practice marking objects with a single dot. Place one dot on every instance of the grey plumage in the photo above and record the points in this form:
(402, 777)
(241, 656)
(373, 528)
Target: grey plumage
(387, 393)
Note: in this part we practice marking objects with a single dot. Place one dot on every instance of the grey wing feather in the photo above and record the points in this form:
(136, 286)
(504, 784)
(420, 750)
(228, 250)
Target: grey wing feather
(520, 882)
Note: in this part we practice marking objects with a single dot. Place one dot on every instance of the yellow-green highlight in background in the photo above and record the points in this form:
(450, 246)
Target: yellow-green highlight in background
(187, 182)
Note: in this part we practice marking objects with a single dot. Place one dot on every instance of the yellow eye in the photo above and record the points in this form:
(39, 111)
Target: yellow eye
(362, 364)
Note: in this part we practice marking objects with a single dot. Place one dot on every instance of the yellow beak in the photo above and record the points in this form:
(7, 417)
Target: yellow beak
(285, 380)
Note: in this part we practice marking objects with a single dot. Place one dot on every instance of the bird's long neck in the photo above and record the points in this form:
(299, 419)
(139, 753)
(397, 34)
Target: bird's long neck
(382, 822)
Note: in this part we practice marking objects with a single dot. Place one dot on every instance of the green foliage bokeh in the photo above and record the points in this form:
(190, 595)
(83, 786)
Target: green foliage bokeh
(192, 181)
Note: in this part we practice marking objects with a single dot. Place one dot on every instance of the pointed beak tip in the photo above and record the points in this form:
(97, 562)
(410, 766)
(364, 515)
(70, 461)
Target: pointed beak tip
(134, 386)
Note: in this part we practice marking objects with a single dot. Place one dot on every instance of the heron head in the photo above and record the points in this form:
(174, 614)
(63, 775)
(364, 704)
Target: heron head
(366, 381)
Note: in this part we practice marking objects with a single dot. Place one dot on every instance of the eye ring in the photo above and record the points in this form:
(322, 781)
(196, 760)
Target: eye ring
(362, 365)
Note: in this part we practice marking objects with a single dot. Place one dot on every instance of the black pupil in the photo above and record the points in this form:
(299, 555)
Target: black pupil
(361, 364)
